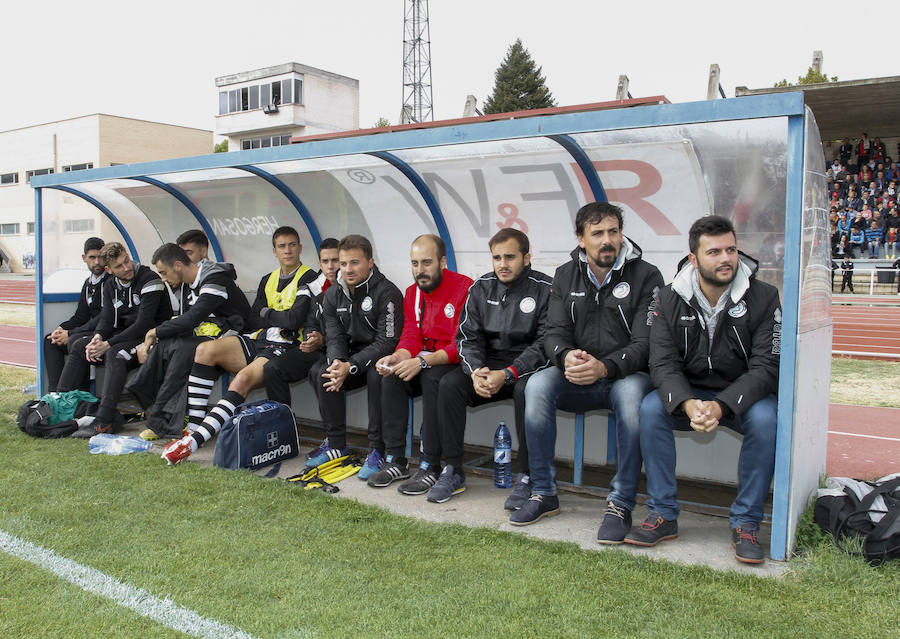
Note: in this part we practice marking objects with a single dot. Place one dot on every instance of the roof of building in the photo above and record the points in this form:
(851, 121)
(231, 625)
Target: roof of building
(849, 108)
(281, 69)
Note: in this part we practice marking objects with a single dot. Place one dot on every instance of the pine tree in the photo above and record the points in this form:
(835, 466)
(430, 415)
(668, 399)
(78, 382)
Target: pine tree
(518, 84)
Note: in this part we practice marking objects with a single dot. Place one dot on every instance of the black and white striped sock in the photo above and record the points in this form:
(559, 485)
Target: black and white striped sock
(217, 416)
(200, 384)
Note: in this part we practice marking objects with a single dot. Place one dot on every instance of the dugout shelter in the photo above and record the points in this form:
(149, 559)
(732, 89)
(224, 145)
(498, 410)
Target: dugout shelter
(756, 160)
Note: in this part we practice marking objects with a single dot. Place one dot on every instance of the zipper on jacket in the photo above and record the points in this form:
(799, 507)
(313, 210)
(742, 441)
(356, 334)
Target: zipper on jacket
(744, 350)
(572, 311)
(368, 322)
(624, 321)
(685, 344)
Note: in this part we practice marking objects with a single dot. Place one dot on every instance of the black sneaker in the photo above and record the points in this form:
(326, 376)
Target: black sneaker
(420, 483)
(88, 431)
(520, 493)
(746, 545)
(616, 524)
(654, 530)
(447, 485)
(390, 472)
(535, 508)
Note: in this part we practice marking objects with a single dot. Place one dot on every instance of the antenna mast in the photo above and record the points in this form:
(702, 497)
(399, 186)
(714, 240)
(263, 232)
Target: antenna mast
(416, 64)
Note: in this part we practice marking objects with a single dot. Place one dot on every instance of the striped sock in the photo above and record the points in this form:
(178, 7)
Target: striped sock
(217, 416)
(200, 384)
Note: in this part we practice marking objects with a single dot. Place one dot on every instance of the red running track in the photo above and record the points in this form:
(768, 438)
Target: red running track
(17, 292)
(870, 330)
(17, 346)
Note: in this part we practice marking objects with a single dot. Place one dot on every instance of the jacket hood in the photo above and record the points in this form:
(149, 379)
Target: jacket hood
(747, 268)
(629, 252)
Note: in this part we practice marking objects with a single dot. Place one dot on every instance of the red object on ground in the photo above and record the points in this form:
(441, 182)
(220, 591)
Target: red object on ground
(17, 292)
(17, 346)
(867, 329)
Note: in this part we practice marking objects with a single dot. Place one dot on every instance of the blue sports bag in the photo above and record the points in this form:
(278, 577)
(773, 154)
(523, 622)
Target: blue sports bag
(259, 434)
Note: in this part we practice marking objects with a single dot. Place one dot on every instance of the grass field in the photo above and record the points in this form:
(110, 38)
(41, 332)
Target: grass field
(17, 315)
(865, 382)
(277, 562)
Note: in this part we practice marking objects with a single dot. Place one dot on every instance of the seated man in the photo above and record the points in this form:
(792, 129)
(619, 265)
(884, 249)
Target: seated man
(133, 303)
(501, 343)
(283, 301)
(195, 245)
(211, 305)
(597, 335)
(294, 365)
(426, 352)
(362, 320)
(83, 322)
(714, 351)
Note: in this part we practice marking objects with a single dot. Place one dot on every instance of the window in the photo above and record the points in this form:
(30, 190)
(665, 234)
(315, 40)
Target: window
(245, 99)
(9, 178)
(78, 226)
(33, 172)
(254, 96)
(286, 91)
(298, 91)
(233, 101)
(265, 94)
(266, 142)
(30, 228)
(223, 102)
(78, 167)
(276, 93)
(9, 229)
(285, 139)
(245, 145)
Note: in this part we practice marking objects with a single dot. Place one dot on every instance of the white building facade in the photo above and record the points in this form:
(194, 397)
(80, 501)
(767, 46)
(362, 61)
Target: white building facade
(76, 144)
(267, 107)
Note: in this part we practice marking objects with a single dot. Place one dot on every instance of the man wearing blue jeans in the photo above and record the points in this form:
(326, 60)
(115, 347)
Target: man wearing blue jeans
(597, 335)
(714, 352)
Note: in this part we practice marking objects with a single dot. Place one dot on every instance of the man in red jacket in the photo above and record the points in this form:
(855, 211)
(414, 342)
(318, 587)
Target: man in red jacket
(426, 352)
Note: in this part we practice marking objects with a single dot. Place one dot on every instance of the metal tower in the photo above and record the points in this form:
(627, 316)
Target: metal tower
(416, 64)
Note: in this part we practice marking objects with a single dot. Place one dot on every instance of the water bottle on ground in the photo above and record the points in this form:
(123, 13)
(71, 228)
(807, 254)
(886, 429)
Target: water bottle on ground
(502, 457)
(117, 444)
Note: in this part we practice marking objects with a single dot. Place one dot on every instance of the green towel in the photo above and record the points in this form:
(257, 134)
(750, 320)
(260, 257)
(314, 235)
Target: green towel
(64, 404)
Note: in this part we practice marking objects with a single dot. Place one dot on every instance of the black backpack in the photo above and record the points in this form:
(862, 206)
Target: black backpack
(34, 419)
(868, 510)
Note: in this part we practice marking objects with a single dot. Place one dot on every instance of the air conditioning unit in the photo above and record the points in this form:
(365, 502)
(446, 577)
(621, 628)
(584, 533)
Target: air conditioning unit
(270, 109)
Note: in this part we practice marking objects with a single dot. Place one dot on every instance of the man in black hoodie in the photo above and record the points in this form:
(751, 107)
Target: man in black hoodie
(134, 301)
(597, 336)
(715, 345)
(363, 319)
(83, 322)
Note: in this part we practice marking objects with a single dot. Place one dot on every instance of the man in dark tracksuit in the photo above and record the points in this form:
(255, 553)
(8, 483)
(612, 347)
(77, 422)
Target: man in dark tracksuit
(212, 305)
(83, 322)
(500, 343)
(597, 336)
(363, 318)
(134, 301)
(295, 364)
(425, 353)
(714, 353)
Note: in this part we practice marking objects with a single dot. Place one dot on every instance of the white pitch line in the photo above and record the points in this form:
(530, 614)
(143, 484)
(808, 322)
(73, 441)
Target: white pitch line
(16, 339)
(140, 601)
(889, 439)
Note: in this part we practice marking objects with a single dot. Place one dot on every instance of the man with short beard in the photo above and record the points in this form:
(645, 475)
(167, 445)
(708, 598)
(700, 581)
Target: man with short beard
(83, 322)
(425, 353)
(597, 336)
(715, 345)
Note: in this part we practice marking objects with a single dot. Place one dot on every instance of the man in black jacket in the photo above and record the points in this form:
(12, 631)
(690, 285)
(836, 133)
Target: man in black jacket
(597, 336)
(715, 345)
(84, 320)
(363, 319)
(500, 342)
(134, 301)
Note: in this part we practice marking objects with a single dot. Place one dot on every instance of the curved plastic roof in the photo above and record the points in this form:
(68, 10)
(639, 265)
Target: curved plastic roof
(665, 164)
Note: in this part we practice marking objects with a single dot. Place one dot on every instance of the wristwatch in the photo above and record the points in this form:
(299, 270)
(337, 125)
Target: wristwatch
(423, 363)
(510, 378)
(353, 368)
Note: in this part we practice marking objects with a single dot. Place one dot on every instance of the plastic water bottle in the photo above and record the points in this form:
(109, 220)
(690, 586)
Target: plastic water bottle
(117, 444)
(502, 457)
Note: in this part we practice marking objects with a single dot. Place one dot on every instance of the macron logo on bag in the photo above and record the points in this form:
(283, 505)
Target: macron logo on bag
(281, 451)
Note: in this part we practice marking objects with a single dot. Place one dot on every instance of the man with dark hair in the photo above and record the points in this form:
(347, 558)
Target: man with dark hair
(714, 350)
(195, 244)
(279, 312)
(83, 322)
(212, 305)
(133, 302)
(294, 365)
(425, 353)
(362, 320)
(501, 343)
(597, 336)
